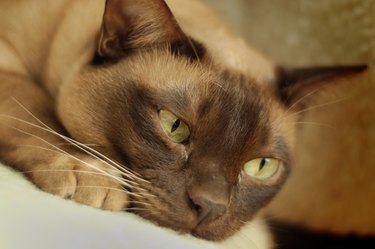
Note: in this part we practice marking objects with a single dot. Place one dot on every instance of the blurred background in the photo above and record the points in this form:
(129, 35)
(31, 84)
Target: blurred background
(332, 187)
(302, 32)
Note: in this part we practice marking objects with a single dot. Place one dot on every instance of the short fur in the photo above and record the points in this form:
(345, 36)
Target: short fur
(102, 82)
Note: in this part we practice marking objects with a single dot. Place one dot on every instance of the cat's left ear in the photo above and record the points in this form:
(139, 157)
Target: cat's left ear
(295, 83)
(130, 25)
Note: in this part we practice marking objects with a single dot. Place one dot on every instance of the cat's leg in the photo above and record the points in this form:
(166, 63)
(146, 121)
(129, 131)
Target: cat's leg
(49, 161)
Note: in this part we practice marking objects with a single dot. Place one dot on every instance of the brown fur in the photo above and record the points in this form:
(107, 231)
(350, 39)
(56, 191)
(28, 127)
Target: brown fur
(103, 83)
(332, 185)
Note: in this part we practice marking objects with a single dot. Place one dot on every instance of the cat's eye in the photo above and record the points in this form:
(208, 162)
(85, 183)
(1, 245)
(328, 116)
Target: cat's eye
(173, 127)
(262, 168)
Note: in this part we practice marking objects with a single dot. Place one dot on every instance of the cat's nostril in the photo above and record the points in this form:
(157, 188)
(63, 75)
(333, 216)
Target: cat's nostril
(208, 210)
(198, 209)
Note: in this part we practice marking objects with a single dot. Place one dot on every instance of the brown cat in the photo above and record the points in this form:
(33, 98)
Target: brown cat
(128, 110)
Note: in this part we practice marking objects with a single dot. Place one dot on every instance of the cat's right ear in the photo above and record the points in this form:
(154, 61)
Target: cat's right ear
(137, 24)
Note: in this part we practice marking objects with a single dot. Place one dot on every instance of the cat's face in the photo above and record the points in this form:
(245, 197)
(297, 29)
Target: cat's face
(190, 129)
(213, 145)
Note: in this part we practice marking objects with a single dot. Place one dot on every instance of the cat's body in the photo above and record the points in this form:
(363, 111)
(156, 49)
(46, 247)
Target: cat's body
(67, 38)
(107, 82)
(38, 69)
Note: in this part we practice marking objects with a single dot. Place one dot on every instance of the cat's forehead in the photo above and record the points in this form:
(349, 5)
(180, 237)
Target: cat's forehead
(214, 101)
(181, 79)
(196, 79)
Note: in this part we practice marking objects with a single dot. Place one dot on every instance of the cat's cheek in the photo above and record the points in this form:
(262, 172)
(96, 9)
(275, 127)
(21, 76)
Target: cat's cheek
(80, 111)
(183, 154)
(180, 157)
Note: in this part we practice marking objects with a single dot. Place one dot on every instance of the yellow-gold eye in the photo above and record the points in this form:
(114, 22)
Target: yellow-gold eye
(262, 168)
(173, 127)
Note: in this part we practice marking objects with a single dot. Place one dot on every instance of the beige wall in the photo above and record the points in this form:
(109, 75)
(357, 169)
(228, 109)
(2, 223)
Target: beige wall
(305, 31)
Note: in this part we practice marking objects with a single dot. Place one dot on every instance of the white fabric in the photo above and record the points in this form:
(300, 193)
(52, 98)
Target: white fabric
(32, 219)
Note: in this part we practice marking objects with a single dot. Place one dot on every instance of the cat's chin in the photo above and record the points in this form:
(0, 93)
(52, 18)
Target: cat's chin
(184, 224)
(215, 232)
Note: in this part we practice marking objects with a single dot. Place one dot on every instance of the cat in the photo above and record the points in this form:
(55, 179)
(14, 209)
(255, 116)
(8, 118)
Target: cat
(149, 107)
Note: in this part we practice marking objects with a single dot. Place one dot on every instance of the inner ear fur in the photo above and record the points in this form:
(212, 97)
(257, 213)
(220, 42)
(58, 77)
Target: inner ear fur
(136, 24)
(294, 83)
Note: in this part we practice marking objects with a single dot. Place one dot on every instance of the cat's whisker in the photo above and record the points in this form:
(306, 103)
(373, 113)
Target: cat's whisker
(127, 209)
(316, 124)
(302, 98)
(143, 191)
(319, 106)
(73, 157)
(49, 129)
(99, 187)
(62, 171)
(139, 195)
(140, 203)
(69, 144)
(70, 140)
(68, 171)
(134, 209)
(144, 213)
(287, 115)
(69, 155)
(105, 187)
(125, 172)
(243, 222)
(145, 194)
(124, 182)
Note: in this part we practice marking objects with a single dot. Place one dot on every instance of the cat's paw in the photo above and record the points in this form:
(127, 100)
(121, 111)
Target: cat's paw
(86, 181)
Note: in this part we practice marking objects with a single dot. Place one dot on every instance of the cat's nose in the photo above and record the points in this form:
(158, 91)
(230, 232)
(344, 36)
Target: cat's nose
(208, 189)
(208, 208)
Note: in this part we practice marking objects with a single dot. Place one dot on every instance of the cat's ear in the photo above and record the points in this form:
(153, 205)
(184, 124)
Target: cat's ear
(295, 83)
(137, 24)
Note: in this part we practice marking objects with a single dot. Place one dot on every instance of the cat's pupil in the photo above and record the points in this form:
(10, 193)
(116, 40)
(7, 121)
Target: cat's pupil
(175, 125)
(262, 163)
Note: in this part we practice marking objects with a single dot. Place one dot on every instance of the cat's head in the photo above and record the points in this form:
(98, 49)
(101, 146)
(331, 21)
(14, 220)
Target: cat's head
(214, 145)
